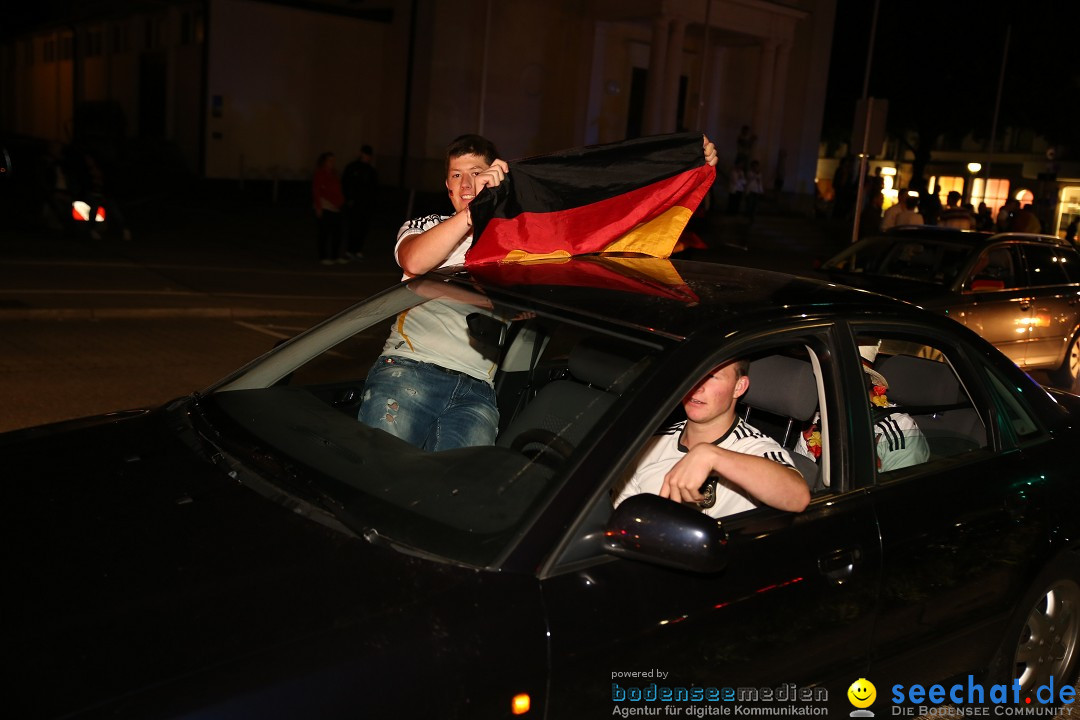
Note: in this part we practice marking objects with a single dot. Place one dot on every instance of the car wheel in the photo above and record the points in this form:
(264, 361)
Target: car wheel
(1068, 375)
(1044, 635)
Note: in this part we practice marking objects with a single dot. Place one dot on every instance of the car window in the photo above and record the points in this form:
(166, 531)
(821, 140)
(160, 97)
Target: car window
(996, 268)
(920, 407)
(772, 415)
(1048, 265)
(927, 260)
(783, 413)
(554, 381)
(1015, 421)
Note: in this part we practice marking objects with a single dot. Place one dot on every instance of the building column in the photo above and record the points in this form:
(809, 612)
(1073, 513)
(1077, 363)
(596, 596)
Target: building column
(762, 121)
(654, 84)
(776, 111)
(673, 71)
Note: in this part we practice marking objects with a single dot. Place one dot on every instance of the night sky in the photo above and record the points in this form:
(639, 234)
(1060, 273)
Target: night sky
(938, 62)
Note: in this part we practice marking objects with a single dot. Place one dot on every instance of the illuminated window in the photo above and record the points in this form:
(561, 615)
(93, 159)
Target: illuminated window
(1068, 209)
(993, 191)
(946, 184)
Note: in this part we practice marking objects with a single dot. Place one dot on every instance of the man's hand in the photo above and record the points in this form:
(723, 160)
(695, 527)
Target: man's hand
(491, 177)
(684, 480)
(710, 151)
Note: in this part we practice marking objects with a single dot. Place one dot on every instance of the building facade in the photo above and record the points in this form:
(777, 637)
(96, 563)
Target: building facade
(242, 89)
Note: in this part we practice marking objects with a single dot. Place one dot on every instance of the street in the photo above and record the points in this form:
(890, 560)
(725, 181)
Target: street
(59, 369)
(91, 328)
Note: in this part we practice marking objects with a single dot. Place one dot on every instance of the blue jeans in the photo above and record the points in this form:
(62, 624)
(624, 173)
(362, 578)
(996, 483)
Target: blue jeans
(428, 406)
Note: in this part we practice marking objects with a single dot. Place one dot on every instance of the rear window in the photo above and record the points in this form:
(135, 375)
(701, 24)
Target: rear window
(1048, 265)
(938, 262)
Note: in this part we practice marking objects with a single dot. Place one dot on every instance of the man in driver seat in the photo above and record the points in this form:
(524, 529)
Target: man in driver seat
(713, 459)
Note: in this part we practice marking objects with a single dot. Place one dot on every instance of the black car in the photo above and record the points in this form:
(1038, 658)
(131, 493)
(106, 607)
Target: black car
(1019, 291)
(254, 551)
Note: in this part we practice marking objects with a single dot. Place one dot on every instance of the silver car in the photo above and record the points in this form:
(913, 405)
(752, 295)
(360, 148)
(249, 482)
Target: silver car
(1019, 291)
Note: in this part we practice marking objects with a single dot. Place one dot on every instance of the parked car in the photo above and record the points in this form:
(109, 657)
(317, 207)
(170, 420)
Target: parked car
(1019, 291)
(254, 551)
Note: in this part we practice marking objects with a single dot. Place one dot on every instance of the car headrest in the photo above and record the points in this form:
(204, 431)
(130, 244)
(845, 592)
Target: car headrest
(919, 381)
(783, 386)
(604, 362)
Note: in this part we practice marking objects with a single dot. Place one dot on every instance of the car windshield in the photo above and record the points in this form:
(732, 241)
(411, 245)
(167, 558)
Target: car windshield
(934, 261)
(553, 379)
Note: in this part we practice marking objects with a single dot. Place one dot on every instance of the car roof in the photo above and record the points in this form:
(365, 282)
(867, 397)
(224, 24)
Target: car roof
(971, 237)
(669, 297)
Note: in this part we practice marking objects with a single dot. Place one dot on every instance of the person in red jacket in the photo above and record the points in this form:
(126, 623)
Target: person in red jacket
(327, 200)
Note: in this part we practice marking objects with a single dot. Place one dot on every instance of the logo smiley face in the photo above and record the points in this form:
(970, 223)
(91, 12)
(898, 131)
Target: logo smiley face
(862, 693)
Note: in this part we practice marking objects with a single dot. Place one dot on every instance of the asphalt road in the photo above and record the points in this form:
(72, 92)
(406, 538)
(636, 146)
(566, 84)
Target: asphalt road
(94, 326)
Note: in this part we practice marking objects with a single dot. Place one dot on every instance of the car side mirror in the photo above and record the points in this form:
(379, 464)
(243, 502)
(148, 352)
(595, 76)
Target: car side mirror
(653, 529)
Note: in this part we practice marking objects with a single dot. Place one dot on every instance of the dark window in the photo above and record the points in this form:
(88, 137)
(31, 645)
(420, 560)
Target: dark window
(919, 405)
(635, 114)
(1047, 265)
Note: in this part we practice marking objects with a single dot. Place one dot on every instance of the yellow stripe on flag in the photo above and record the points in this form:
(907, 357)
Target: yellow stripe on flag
(656, 237)
(515, 256)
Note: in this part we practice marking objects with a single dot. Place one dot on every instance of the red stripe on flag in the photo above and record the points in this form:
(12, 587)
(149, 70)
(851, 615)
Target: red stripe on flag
(649, 276)
(591, 228)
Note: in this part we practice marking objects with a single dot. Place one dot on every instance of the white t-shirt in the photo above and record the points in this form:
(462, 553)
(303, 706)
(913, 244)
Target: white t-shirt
(436, 332)
(665, 449)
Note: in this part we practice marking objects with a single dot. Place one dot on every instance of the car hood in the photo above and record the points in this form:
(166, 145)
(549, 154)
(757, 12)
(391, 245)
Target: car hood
(160, 567)
(922, 294)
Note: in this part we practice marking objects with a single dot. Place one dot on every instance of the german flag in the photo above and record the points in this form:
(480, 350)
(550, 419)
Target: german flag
(637, 275)
(629, 197)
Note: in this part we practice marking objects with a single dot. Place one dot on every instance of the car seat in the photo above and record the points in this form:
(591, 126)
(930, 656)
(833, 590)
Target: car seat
(564, 410)
(786, 387)
(930, 392)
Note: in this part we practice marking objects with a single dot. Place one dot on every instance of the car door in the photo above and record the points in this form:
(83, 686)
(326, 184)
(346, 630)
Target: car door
(995, 301)
(793, 608)
(1055, 311)
(955, 546)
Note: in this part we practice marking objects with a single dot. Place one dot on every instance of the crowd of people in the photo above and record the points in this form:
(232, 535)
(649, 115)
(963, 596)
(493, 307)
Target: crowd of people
(915, 205)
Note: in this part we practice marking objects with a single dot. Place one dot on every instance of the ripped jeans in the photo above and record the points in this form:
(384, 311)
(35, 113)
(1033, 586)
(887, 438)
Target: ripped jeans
(428, 406)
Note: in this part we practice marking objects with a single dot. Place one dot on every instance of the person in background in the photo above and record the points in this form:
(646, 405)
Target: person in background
(327, 200)
(754, 189)
(955, 215)
(360, 185)
(904, 212)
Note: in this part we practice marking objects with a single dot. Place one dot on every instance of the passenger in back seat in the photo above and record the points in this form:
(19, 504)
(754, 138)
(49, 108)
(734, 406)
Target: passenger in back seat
(898, 441)
(744, 467)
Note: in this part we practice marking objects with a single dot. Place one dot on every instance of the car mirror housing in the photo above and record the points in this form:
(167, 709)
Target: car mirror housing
(653, 529)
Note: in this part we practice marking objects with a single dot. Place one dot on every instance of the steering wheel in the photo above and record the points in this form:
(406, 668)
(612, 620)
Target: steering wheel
(543, 447)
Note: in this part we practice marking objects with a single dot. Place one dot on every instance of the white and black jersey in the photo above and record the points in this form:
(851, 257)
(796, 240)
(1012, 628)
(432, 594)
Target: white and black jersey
(420, 225)
(900, 443)
(665, 449)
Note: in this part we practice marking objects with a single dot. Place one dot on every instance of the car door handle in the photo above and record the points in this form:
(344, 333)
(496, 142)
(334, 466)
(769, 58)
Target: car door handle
(838, 566)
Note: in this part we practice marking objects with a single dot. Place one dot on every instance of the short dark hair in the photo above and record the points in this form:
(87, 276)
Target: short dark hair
(742, 367)
(470, 145)
(367, 150)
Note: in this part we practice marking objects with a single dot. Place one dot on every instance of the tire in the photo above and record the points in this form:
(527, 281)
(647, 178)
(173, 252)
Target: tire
(1043, 637)
(1067, 376)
